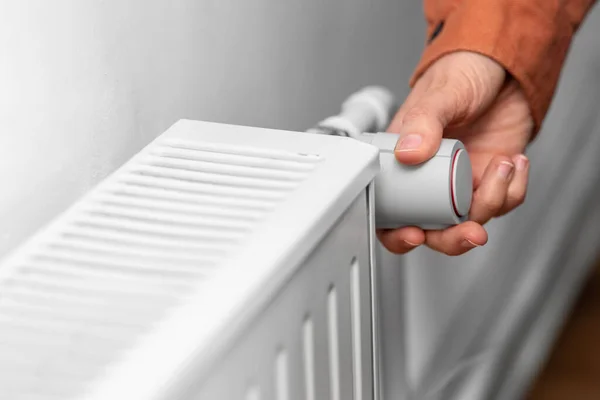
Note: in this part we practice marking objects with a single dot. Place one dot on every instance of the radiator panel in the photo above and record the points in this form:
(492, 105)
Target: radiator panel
(319, 323)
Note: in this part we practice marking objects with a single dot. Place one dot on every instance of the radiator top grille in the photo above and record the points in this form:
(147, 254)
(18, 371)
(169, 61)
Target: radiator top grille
(113, 266)
(137, 288)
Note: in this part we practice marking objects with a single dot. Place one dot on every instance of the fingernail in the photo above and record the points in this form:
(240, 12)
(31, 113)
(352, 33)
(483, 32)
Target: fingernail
(505, 169)
(409, 143)
(522, 163)
(469, 244)
(410, 244)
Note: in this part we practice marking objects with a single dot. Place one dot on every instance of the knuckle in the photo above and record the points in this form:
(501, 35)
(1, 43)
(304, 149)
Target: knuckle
(420, 117)
(493, 205)
(490, 204)
(516, 199)
(416, 112)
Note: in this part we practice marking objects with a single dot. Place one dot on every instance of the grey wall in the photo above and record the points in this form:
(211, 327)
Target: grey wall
(463, 312)
(86, 83)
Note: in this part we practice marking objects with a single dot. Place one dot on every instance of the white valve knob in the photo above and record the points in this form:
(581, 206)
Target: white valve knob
(433, 195)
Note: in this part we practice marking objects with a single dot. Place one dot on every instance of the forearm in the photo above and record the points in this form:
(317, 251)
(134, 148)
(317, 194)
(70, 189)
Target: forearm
(530, 39)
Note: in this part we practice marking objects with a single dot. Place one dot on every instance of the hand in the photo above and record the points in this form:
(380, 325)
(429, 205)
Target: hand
(466, 96)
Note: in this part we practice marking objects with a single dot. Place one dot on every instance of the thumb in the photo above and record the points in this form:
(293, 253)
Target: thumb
(422, 124)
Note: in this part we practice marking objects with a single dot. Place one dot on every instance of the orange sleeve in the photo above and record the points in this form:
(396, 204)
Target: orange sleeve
(530, 38)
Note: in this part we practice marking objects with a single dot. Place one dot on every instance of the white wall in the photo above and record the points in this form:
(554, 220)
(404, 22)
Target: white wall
(84, 83)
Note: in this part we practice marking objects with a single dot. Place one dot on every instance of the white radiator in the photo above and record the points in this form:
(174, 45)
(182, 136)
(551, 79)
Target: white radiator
(222, 262)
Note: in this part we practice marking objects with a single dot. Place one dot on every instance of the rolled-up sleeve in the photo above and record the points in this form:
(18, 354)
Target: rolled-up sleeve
(529, 38)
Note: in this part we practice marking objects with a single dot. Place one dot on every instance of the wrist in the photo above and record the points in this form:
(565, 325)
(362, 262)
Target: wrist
(529, 39)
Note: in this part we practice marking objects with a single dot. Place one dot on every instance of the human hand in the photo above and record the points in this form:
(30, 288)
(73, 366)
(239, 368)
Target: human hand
(466, 96)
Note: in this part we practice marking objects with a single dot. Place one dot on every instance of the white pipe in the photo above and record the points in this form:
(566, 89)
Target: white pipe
(368, 110)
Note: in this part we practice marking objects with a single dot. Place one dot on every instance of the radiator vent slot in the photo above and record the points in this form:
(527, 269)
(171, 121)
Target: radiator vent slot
(138, 245)
(334, 349)
(308, 347)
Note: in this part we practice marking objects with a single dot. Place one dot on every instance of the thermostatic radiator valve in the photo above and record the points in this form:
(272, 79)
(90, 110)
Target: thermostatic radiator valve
(433, 195)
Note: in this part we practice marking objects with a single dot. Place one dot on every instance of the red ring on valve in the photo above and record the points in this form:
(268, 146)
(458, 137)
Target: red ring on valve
(452, 190)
